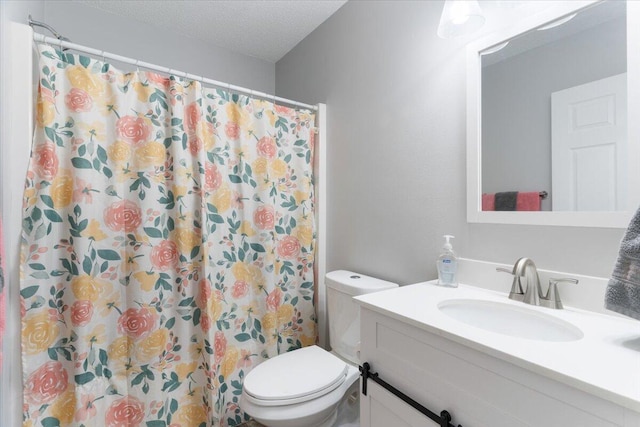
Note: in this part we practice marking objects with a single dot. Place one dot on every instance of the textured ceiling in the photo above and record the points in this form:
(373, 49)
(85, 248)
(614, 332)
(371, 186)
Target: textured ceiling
(265, 29)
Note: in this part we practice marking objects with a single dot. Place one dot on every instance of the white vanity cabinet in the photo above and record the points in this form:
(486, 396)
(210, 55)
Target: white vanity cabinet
(475, 387)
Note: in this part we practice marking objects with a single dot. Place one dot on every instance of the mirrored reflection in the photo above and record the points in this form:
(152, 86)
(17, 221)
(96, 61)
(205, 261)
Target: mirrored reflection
(554, 125)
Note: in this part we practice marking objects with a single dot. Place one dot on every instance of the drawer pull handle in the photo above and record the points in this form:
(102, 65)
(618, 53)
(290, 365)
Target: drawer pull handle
(444, 419)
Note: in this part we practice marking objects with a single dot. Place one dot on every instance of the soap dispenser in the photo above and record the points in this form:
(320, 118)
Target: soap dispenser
(447, 265)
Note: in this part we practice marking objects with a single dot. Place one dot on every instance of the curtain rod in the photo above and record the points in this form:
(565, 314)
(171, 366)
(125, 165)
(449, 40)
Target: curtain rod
(52, 30)
(100, 53)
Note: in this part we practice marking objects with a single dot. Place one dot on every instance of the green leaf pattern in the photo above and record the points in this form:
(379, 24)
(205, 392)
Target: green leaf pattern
(168, 246)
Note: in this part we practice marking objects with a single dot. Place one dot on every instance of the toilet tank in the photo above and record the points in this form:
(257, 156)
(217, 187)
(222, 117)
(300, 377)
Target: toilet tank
(344, 313)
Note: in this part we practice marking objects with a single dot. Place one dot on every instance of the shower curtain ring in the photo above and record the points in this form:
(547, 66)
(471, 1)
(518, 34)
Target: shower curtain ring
(137, 65)
(103, 58)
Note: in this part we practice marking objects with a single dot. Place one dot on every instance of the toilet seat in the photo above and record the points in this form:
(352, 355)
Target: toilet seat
(277, 381)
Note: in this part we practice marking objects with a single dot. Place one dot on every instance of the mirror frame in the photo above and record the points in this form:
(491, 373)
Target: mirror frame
(620, 219)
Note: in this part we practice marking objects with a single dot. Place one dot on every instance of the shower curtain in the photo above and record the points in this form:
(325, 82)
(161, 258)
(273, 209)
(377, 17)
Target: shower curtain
(168, 246)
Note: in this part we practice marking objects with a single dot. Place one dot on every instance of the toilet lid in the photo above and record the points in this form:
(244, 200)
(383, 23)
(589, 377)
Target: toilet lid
(307, 372)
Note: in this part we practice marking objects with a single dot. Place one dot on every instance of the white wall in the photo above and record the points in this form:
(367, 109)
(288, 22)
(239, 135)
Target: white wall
(103, 30)
(12, 172)
(395, 96)
(19, 10)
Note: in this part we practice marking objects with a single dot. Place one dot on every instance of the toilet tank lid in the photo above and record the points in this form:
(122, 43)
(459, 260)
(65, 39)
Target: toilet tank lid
(355, 283)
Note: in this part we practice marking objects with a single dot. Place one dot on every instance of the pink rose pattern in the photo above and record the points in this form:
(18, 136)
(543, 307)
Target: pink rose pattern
(118, 233)
(212, 177)
(264, 217)
(46, 383)
(126, 411)
(137, 322)
(165, 255)
(46, 161)
(81, 312)
(124, 215)
(240, 289)
(219, 346)
(132, 129)
(191, 116)
(195, 145)
(274, 299)
(157, 79)
(78, 101)
(267, 147)
(289, 247)
(232, 130)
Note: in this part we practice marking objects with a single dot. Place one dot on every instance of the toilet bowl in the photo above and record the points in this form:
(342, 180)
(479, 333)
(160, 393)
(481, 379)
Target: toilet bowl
(299, 388)
(304, 387)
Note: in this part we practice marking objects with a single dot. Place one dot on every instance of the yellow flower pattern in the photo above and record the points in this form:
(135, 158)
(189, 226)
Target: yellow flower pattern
(38, 333)
(150, 154)
(94, 231)
(86, 287)
(153, 345)
(62, 191)
(168, 245)
(64, 408)
(119, 152)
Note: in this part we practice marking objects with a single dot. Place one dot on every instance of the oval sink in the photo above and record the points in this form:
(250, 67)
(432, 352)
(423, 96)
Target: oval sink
(510, 320)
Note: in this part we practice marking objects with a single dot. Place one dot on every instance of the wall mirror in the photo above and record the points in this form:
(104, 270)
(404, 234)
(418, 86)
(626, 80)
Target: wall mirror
(551, 138)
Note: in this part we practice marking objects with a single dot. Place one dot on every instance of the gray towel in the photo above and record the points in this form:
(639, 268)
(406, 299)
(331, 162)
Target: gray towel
(506, 201)
(623, 291)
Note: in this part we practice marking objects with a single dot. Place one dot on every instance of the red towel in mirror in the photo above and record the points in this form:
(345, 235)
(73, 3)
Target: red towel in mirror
(528, 201)
(488, 202)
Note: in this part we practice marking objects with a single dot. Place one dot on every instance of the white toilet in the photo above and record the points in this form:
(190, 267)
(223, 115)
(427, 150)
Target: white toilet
(303, 388)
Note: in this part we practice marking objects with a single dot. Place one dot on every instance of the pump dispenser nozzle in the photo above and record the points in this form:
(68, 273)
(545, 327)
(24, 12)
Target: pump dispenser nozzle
(447, 244)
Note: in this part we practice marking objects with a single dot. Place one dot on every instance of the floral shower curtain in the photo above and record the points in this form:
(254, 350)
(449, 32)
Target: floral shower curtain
(168, 246)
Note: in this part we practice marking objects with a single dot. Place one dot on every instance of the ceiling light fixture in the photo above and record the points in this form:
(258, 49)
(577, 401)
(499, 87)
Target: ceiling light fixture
(557, 22)
(494, 49)
(460, 17)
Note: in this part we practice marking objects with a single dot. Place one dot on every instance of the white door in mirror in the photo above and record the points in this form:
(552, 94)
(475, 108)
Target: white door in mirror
(589, 146)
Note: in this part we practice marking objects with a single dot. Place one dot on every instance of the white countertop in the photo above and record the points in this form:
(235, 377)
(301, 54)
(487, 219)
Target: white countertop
(605, 362)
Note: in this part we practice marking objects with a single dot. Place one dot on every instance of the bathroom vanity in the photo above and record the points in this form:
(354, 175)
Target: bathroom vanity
(489, 361)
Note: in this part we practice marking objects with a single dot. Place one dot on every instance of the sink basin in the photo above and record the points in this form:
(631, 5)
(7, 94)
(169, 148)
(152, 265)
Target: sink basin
(508, 319)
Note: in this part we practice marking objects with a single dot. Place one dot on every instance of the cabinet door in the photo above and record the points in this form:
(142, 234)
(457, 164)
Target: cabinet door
(379, 408)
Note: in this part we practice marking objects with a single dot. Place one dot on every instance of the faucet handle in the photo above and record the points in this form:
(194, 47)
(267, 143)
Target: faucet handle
(564, 279)
(553, 296)
(516, 286)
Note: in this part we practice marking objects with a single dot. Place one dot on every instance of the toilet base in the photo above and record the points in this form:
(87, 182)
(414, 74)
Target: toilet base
(345, 414)
(348, 412)
(328, 421)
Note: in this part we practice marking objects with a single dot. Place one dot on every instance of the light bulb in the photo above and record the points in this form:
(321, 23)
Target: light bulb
(460, 17)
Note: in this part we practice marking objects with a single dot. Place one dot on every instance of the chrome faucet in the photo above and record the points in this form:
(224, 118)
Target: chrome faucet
(526, 269)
